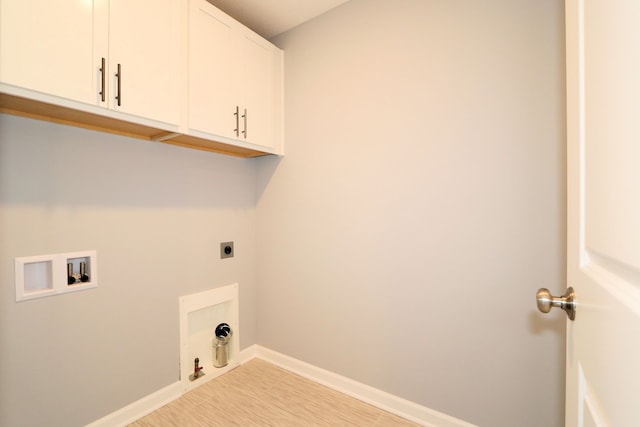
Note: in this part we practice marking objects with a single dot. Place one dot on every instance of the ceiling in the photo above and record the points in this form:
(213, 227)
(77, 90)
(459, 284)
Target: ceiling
(272, 17)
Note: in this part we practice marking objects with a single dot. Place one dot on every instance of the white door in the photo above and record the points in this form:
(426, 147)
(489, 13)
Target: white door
(603, 266)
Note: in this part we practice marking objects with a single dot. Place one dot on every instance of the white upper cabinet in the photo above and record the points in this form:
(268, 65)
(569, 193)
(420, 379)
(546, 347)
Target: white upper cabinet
(144, 58)
(116, 54)
(256, 85)
(235, 81)
(47, 46)
(211, 70)
(176, 71)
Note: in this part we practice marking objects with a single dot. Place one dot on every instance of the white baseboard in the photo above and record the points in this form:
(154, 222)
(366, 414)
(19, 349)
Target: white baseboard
(248, 353)
(378, 398)
(140, 408)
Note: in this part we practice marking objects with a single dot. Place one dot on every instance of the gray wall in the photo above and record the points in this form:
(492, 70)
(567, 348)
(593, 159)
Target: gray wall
(421, 204)
(156, 214)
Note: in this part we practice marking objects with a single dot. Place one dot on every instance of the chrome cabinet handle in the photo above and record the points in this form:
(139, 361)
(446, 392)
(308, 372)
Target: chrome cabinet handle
(567, 302)
(237, 114)
(119, 80)
(244, 117)
(103, 75)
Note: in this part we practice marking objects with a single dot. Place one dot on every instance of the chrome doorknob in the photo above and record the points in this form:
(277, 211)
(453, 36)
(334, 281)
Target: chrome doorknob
(567, 302)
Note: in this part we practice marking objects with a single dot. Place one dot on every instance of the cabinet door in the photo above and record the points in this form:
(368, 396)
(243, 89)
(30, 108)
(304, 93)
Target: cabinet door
(212, 102)
(256, 85)
(46, 46)
(144, 40)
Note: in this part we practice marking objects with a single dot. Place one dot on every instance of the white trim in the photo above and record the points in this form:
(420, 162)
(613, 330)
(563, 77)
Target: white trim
(140, 408)
(378, 398)
(248, 353)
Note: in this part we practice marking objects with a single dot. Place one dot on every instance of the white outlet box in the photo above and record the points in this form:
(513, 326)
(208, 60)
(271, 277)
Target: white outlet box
(200, 313)
(47, 275)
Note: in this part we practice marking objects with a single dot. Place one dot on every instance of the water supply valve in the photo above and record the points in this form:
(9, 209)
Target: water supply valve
(197, 370)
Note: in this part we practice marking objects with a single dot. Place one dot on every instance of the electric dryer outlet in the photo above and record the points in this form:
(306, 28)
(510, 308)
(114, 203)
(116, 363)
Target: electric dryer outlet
(226, 250)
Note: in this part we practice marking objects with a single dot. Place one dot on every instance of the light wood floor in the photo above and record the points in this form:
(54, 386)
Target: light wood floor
(261, 394)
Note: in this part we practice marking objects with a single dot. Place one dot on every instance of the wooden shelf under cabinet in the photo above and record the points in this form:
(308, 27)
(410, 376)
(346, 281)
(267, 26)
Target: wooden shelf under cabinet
(10, 104)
